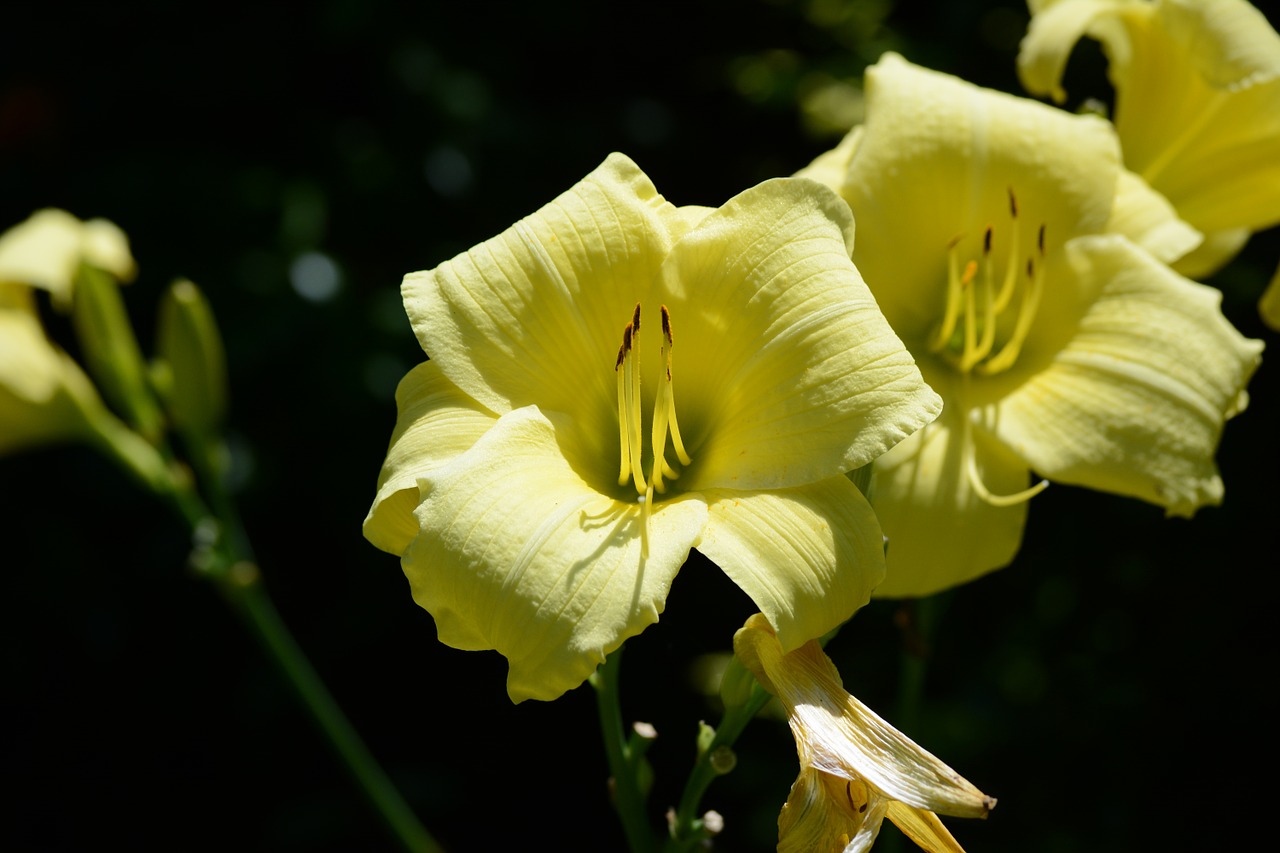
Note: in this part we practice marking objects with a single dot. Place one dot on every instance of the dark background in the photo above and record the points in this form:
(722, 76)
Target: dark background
(1111, 687)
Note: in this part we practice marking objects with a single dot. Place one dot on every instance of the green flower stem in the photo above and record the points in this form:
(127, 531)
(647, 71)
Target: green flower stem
(244, 586)
(628, 797)
(687, 831)
(222, 554)
(917, 620)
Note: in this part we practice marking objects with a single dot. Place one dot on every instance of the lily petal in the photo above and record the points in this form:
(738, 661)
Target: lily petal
(808, 556)
(830, 167)
(937, 151)
(44, 395)
(1197, 103)
(786, 366)
(838, 735)
(1269, 304)
(1146, 217)
(535, 315)
(1135, 403)
(490, 563)
(46, 250)
(941, 532)
(435, 422)
(924, 828)
(822, 808)
(1054, 30)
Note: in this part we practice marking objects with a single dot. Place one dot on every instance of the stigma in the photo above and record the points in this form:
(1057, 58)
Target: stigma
(631, 467)
(990, 306)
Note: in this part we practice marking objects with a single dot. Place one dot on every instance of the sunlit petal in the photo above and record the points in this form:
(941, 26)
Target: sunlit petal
(788, 370)
(516, 553)
(1136, 402)
(435, 423)
(807, 556)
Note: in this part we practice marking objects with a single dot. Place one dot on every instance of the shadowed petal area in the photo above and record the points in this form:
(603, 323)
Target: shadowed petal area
(44, 395)
(435, 422)
(518, 554)
(941, 532)
(1135, 403)
(808, 557)
(786, 367)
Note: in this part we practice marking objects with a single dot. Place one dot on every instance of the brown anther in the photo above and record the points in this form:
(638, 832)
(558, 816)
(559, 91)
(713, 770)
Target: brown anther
(955, 241)
(986, 241)
(1040, 239)
(666, 325)
(1031, 267)
(1013, 204)
(635, 318)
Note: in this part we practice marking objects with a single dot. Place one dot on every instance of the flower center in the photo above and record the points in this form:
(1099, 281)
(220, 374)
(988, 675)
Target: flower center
(630, 431)
(982, 329)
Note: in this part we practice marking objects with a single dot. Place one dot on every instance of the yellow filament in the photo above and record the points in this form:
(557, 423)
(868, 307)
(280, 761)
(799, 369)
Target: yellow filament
(948, 326)
(624, 466)
(1004, 359)
(967, 354)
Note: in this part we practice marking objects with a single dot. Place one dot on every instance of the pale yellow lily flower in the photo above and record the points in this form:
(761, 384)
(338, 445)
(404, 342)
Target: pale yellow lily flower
(541, 489)
(1197, 104)
(997, 234)
(44, 395)
(855, 768)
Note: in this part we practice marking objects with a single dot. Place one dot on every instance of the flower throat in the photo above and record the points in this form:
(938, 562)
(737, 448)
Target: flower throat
(979, 313)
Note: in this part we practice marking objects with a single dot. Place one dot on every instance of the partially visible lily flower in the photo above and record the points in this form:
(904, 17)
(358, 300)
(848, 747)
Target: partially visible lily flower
(44, 395)
(1269, 304)
(614, 381)
(1197, 104)
(997, 234)
(855, 768)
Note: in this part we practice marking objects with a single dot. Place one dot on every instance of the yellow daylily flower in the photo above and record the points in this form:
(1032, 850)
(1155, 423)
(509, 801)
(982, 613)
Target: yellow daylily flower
(1197, 104)
(996, 235)
(541, 489)
(44, 395)
(855, 768)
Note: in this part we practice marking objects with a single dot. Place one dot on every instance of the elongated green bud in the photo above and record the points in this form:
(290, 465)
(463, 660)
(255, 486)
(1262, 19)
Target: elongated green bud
(111, 350)
(194, 364)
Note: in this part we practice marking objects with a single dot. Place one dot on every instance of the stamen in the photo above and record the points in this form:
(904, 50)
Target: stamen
(631, 460)
(624, 442)
(948, 327)
(979, 331)
(1004, 359)
(676, 441)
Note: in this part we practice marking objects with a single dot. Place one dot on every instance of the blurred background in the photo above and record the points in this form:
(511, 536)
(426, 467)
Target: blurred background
(296, 160)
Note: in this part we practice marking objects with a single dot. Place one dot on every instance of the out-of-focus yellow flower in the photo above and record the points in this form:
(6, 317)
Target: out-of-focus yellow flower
(46, 252)
(1197, 104)
(995, 234)
(1269, 305)
(44, 395)
(855, 768)
(531, 485)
